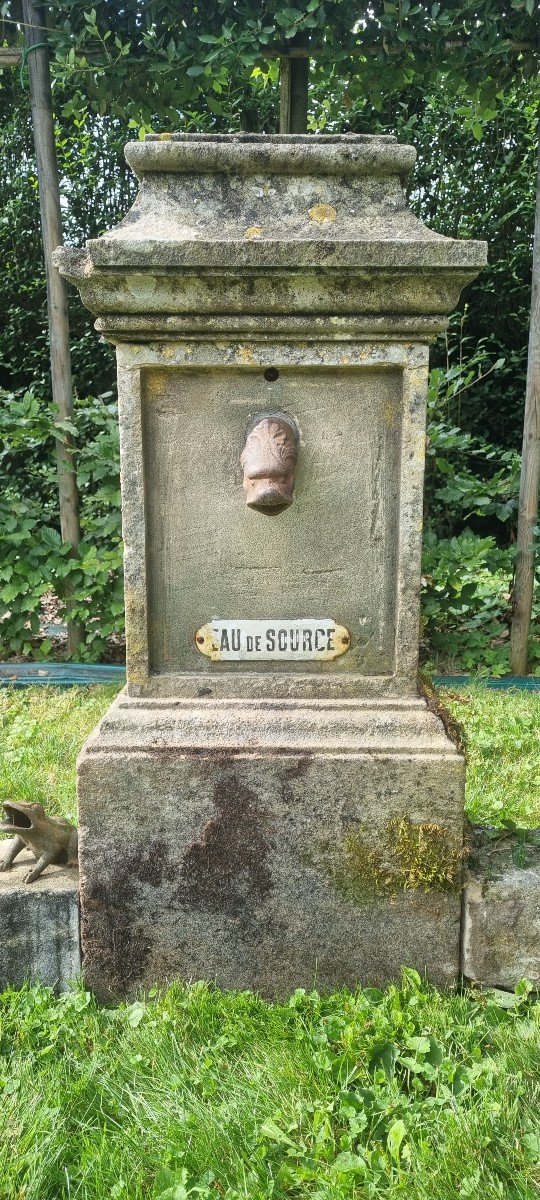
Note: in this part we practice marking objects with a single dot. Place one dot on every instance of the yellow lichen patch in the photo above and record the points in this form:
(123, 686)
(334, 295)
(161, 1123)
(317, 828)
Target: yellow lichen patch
(165, 137)
(254, 231)
(389, 415)
(156, 384)
(322, 213)
(245, 355)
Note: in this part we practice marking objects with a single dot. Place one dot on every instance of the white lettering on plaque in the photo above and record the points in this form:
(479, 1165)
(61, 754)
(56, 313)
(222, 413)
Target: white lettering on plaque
(299, 640)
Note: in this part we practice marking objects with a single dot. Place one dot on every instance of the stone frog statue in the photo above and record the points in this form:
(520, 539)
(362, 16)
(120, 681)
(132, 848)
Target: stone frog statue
(51, 839)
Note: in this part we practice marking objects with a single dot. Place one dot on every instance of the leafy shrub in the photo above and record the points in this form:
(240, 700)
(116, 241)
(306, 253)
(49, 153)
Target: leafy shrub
(471, 500)
(466, 602)
(33, 560)
(467, 477)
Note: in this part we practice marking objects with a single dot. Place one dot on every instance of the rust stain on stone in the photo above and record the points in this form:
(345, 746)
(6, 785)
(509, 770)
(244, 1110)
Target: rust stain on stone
(226, 870)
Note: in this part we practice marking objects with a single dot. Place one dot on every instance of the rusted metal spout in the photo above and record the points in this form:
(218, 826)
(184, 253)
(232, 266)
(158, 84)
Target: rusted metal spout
(269, 462)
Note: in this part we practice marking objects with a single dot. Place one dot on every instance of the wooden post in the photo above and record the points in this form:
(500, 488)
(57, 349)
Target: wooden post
(530, 473)
(293, 94)
(57, 308)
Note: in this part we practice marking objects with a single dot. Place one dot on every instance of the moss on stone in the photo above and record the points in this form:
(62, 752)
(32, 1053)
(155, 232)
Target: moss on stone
(425, 860)
(410, 857)
(454, 729)
(362, 875)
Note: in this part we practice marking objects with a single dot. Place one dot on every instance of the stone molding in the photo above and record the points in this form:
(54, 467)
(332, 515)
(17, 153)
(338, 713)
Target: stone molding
(244, 225)
(264, 727)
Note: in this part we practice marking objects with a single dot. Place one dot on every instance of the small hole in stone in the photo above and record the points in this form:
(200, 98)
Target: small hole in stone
(271, 374)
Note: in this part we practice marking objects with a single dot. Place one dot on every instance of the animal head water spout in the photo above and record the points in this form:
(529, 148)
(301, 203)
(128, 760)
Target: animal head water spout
(269, 462)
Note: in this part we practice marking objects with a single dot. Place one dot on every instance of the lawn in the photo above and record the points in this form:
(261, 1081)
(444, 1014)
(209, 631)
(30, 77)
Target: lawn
(195, 1093)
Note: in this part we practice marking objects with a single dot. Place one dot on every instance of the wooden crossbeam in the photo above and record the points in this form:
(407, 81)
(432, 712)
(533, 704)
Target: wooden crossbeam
(10, 56)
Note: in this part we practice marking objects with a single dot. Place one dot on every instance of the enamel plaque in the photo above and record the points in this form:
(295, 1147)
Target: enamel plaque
(298, 640)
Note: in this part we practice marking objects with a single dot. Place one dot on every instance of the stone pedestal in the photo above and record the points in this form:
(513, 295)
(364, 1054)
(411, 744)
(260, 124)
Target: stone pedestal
(275, 812)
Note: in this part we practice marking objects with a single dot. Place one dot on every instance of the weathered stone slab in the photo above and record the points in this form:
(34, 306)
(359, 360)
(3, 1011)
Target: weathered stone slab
(501, 911)
(269, 846)
(39, 924)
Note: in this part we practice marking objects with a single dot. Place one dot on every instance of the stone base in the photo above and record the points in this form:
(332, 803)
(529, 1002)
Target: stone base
(39, 921)
(501, 911)
(269, 844)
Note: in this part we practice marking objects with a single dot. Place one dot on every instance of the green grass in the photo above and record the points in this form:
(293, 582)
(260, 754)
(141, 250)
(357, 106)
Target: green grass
(195, 1093)
(502, 733)
(41, 733)
(406, 1093)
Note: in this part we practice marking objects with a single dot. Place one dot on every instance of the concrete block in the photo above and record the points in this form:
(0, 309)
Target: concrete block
(39, 925)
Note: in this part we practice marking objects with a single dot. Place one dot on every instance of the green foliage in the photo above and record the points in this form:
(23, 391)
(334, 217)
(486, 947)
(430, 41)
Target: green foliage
(33, 560)
(198, 1093)
(96, 188)
(154, 63)
(471, 500)
(466, 604)
(466, 475)
(464, 91)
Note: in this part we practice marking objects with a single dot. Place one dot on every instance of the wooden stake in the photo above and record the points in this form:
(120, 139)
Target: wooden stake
(37, 56)
(293, 94)
(530, 473)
